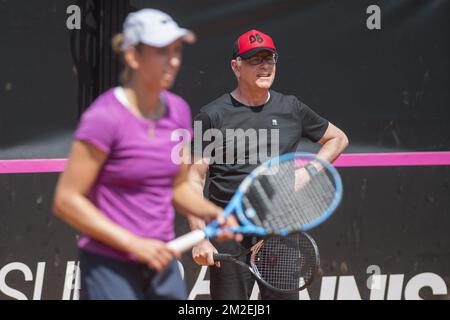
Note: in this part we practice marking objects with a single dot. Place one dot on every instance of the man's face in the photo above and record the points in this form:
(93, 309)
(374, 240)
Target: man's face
(258, 71)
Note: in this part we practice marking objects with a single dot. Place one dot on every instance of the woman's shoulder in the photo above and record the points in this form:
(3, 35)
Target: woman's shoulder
(179, 110)
(176, 104)
(175, 100)
(105, 108)
(105, 101)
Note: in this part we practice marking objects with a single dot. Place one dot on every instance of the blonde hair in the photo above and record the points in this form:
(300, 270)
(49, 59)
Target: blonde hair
(116, 44)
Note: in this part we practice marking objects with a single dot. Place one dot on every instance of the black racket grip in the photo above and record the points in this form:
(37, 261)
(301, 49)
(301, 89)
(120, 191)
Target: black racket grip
(223, 257)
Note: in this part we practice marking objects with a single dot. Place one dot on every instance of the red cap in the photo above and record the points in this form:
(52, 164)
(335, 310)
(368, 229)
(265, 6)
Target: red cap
(252, 42)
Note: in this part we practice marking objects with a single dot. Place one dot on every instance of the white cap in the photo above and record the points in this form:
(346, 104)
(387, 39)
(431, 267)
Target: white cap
(154, 28)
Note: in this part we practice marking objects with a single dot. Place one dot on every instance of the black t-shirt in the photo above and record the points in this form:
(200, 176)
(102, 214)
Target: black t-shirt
(282, 116)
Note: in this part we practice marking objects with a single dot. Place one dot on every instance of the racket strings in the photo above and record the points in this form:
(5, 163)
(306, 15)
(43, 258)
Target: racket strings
(283, 201)
(287, 263)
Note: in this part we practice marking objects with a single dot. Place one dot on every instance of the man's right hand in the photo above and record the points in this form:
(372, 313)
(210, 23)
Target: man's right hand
(203, 254)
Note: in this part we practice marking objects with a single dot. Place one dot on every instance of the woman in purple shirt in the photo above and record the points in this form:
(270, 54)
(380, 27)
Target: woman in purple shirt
(122, 182)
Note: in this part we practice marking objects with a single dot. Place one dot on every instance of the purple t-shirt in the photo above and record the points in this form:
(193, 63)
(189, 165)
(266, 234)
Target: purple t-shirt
(134, 187)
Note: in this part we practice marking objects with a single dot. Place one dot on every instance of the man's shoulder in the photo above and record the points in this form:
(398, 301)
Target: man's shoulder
(216, 105)
(289, 98)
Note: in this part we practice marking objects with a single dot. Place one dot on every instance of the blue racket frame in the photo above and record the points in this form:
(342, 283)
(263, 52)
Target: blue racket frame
(247, 227)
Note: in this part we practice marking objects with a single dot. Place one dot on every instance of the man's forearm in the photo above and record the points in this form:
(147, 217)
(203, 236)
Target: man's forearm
(194, 222)
(198, 185)
(332, 149)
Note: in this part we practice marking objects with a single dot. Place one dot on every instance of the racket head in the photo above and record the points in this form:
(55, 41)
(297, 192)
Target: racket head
(286, 264)
(269, 201)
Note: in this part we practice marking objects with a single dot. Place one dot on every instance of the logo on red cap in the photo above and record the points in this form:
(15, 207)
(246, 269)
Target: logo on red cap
(256, 37)
(252, 42)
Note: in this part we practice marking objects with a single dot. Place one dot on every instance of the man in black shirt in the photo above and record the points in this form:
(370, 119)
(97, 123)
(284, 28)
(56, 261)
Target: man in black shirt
(238, 131)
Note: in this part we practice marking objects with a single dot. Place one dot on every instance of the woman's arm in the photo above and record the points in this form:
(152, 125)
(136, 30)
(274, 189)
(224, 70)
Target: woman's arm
(72, 205)
(188, 200)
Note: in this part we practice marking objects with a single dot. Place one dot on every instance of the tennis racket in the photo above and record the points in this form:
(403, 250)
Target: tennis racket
(280, 196)
(284, 264)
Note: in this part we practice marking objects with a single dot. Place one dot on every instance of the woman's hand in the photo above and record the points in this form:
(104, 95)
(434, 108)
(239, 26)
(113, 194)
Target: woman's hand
(155, 253)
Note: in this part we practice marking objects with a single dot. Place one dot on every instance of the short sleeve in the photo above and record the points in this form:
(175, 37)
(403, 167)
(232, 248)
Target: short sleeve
(202, 123)
(186, 117)
(181, 112)
(313, 125)
(97, 127)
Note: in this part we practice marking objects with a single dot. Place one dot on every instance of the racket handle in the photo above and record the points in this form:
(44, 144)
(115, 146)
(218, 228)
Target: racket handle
(222, 257)
(187, 241)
